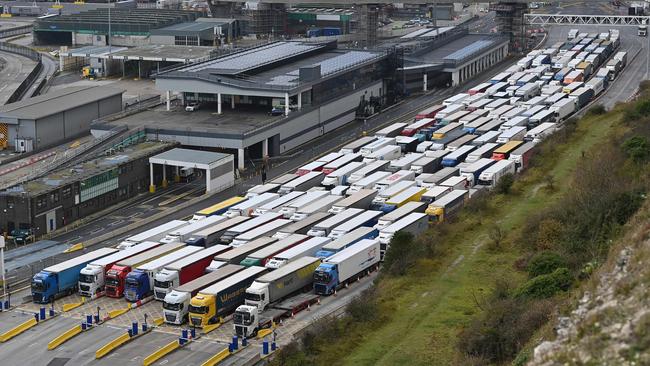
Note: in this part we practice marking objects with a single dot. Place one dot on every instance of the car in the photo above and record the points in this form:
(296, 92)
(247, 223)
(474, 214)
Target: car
(191, 107)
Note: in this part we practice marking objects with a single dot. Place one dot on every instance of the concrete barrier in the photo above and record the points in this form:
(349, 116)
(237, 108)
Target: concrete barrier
(212, 361)
(162, 352)
(64, 337)
(110, 346)
(18, 329)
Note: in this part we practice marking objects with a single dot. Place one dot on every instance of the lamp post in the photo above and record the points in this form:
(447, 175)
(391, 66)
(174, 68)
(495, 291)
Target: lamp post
(2, 269)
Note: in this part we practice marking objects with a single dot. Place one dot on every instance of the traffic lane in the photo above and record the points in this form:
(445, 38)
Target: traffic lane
(12, 75)
(12, 318)
(134, 352)
(81, 349)
(195, 353)
(30, 347)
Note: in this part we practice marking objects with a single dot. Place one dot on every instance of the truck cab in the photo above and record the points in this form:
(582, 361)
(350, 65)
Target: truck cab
(257, 295)
(176, 307)
(246, 321)
(137, 286)
(164, 281)
(202, 310)
(44, 287)
(325, 279)
(89, 279)
(115, 280)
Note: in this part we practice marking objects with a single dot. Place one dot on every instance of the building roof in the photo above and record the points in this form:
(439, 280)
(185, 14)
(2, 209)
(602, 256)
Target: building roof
(153, 52)
(188, 28)
(57, 101)
(190, 157)
(63, 177)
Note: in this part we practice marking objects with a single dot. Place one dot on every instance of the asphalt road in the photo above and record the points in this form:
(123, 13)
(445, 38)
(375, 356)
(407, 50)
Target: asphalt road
(15, 70)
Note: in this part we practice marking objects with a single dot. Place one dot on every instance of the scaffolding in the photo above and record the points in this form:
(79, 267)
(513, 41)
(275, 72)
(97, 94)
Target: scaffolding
(367, 21)
(268, 19)
(510, 21)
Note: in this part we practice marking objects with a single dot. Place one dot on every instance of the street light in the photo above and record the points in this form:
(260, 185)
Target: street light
(2, 269)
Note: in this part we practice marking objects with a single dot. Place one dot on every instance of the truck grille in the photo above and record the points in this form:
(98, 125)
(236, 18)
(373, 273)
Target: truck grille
(320, 289)
(196, 322)
(37, 298)
(170, 317)
(84, 288)
(160, 295)
(129, 295)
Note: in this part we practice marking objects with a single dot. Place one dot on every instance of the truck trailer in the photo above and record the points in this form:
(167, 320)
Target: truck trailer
(236, 255)
(262, 256)
(92, 277)
(177, 302)
(140, 281)
(213, 303)
(210, 235)
(116, 275)
(153, 234)
(184, 270)
(346, 265)
(61, 279)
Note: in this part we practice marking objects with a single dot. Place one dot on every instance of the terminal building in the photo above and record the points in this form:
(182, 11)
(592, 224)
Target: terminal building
(269, 99)
(448, 56)
(42, 205)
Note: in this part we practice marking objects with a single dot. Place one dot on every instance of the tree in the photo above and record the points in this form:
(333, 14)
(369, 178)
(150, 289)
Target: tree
(545, 262)
(504, 184)
(637, 148)
(403, 251)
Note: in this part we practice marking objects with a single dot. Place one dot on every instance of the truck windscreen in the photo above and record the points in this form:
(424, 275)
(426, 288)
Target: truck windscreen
(172, 307)
(84, 278)
(161, 284)
(198, 309)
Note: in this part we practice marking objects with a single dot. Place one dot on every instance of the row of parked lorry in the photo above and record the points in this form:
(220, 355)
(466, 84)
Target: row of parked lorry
(275, 249)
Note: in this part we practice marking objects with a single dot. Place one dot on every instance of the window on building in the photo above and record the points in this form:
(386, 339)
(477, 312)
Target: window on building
(54, 197)
(41, 201)
(67, 191)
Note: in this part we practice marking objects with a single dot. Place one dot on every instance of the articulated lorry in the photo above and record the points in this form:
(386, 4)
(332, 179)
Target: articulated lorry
(92, 277)
(116, 275)
(211, 304)
(306, 248)
(184, 270)
(271, 288)
(184, 232)
(139, 282)
(260, 257)
(230, 234)
(236, 255)
(346, 240)
(176, 303)
(346, 265)
(302, 226)
(61, 279)
(154, 234)
(210, 235)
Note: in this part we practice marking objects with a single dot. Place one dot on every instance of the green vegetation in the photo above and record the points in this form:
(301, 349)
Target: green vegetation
(474, 290)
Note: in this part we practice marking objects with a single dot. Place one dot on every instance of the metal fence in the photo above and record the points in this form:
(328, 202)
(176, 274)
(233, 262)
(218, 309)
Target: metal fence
(16, 31)
(32, 76)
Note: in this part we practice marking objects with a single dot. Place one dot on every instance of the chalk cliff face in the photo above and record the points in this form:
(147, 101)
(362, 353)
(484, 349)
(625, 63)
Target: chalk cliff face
(610, 324)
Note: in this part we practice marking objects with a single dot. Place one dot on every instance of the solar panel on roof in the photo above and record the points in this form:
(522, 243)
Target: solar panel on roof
(471, 49)
(254, 57)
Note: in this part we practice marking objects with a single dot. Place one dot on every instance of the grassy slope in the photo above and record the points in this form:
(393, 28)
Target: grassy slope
(428, 313)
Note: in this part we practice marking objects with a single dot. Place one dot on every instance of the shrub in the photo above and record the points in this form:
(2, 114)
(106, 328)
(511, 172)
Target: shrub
(364, 307)
(504, 184)
(544, 263)
(504, 328)
(597, 110)
(637, 148)
(402, 254)
(546, 285)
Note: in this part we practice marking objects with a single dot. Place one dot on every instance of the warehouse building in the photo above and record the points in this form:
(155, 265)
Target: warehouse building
(207, 32)
(50, 119)
(268, 99)
(128, 27)
(64, 196)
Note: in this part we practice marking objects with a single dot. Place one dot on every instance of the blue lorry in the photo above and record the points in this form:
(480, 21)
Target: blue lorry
(61, 279)
(346, 265)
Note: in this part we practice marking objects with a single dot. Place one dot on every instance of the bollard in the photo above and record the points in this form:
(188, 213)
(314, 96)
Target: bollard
(273, 346)
(84, 325)
(244, 342)
(96, 319)
(134, 328)
(51, 312)
(181, 341)
(265, 347)
(230, 347)
(184, 333)
(42, 314)
(89, 319)
(7, 304)
(144, 327)
(2, 306)
(193, 333)
(130, 332)
(36, 316)
(235, 342)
